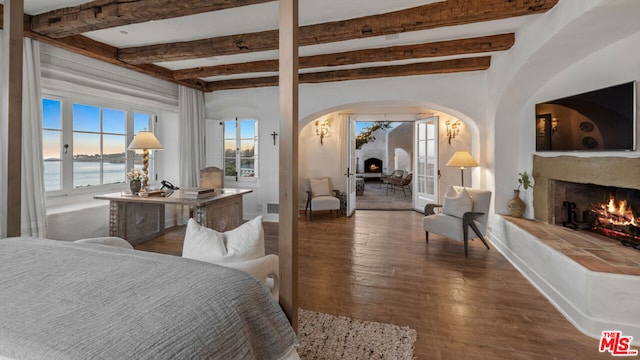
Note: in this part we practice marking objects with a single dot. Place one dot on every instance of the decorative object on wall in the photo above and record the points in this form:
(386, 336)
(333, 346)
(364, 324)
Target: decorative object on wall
(453, 129)
(322, 128)
(273, 135)
(462, 159)
(516, 205)
(145, 141)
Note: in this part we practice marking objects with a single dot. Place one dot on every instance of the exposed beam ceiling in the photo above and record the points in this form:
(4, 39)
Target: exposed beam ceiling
(393, 53)
(64, 28)
(104, 14)
(440, 14)
(424, 68)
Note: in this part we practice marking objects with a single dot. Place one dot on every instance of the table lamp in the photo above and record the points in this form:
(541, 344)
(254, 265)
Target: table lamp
(462, 159)
(145, 141)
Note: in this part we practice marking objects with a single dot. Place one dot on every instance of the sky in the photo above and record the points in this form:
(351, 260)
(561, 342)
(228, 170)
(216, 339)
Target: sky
(87, 123)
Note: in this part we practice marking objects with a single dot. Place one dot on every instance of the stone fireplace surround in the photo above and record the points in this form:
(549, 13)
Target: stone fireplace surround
(593, 281)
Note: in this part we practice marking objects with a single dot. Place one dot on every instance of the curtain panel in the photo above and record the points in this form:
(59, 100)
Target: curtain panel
(191, 126)
(34, 210)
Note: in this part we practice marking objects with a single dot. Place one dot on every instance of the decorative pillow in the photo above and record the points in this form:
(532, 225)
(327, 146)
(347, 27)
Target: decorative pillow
(245, 242)
(320, 187)
(457, 203)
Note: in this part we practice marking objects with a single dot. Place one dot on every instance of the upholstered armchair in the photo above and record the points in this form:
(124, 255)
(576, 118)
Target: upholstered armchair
(462, 209)
(320, 196)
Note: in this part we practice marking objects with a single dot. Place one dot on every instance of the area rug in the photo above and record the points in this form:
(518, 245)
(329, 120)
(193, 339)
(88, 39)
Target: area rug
(324, 336)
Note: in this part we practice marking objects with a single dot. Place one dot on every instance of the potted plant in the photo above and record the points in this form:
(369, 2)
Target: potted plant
(516, 205)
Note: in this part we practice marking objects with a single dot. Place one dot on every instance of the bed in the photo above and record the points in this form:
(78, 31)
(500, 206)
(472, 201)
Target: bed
(65, 300)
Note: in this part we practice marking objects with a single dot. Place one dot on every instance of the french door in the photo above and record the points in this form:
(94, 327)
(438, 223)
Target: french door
(425, 162)
(350, 171)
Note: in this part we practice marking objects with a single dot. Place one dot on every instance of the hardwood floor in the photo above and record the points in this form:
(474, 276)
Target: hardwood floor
(376, 266)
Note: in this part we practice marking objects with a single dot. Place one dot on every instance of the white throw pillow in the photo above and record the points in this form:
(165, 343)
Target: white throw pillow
(320, 187)
(457, 203)
(245, 242)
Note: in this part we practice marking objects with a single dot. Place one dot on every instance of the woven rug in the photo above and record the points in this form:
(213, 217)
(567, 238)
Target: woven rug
(324, 336)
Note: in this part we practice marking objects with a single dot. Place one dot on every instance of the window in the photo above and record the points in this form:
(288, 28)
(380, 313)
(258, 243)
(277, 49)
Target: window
(241, 148)
(85, 145)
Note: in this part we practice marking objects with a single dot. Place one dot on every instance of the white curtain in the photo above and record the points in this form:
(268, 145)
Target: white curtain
(34, 211)
(192, 125)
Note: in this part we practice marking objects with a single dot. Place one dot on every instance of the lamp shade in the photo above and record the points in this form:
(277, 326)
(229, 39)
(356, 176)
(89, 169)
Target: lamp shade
(145, 140)
(462, 159)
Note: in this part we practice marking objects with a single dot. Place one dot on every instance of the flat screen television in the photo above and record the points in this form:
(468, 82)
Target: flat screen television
(603, 119)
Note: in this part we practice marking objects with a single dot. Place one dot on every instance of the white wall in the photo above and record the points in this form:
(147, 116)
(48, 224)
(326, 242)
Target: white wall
(462, 95)
(400, 148)
(579, 47)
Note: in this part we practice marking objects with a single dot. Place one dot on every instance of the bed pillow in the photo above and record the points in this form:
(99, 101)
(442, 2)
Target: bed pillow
(245, 242)
(457, 203)
(320, 187)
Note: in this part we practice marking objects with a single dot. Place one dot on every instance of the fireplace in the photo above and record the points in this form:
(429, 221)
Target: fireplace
(373, 165)
(607, 210)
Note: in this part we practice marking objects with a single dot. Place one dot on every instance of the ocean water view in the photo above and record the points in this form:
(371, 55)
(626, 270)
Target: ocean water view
(85, 173)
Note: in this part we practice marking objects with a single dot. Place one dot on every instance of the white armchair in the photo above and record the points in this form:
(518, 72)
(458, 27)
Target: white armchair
(320, 197)
(462, 209)
(240, 248)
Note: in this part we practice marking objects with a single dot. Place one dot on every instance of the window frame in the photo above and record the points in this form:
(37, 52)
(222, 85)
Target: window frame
(238, 158)
(67, 102)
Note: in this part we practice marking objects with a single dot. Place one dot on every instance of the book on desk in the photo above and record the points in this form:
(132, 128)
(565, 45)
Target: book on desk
(196, 193)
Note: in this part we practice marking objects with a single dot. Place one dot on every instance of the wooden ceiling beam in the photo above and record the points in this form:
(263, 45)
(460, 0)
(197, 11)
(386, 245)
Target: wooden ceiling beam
(104, 14)
(394, 53)
(424, 68)
(84, 46)
(434, 15)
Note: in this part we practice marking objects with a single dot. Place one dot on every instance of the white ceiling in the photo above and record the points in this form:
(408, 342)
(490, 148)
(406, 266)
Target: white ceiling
(265, 17)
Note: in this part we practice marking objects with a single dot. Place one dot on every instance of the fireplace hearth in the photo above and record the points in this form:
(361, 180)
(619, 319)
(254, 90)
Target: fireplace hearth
(605, 210)
(373, 165)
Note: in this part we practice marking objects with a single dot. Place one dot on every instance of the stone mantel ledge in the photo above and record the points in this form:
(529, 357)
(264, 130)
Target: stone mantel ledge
(607, 171)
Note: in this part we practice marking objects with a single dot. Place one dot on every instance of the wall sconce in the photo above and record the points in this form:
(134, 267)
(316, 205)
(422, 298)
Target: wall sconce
(554, 125)
(322, 129)
(453, 129)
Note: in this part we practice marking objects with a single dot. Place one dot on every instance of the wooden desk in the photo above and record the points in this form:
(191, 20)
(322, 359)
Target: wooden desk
(138, 219)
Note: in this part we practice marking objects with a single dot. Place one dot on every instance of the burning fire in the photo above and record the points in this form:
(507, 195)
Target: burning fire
(616, 214)
(374, 168)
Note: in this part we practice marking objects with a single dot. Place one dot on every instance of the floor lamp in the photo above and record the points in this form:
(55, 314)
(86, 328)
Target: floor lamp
(145, 141)
(462, 159)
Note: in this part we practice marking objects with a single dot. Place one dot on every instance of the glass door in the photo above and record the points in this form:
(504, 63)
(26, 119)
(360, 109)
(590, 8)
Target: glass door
(425, 162)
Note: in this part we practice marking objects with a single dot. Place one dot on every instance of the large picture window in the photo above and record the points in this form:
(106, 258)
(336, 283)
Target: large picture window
(85, 145)
(241, 148)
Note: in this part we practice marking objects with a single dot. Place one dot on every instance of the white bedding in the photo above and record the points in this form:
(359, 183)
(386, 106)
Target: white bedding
(62, 300)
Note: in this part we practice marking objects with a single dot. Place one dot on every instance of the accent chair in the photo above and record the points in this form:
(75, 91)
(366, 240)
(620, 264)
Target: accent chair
(462, 209)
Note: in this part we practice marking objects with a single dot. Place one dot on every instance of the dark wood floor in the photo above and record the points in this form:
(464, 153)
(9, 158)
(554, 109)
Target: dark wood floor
(376, 266)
